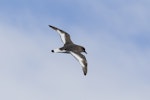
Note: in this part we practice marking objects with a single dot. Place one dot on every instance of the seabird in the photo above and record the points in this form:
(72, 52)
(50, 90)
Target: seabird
(71, 48)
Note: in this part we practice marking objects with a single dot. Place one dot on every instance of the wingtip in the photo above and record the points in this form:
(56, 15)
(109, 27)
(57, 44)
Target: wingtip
(84, 74)
(84, 71)
(52, 27)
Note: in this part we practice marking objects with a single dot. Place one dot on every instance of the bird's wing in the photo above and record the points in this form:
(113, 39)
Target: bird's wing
(82, 60)
(65, 37)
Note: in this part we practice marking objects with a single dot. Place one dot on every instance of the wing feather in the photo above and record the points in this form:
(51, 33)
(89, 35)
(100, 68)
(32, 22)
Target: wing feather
(82, 60)
(65, 37)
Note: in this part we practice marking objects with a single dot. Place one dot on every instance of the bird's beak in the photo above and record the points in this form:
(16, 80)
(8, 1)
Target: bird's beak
(85, 52)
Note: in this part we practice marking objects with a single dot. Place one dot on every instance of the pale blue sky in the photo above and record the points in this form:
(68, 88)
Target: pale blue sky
(115, 33)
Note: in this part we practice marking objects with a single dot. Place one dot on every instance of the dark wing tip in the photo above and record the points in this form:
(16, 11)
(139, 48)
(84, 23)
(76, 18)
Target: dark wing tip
(85, 71)
(52, 27)
(49, 25)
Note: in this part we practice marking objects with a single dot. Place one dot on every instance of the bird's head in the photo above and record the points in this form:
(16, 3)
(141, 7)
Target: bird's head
(84, 50)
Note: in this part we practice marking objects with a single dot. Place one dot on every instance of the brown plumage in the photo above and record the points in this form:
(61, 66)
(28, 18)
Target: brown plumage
(70, 47)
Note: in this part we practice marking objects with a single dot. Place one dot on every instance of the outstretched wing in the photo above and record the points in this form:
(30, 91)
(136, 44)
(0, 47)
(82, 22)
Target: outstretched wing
(65, 37)
(82, 60)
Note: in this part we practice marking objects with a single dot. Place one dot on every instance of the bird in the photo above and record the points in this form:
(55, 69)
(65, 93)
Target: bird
(71, 48)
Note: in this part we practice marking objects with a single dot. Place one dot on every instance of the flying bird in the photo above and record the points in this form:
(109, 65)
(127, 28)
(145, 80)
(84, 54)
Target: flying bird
(71, 48)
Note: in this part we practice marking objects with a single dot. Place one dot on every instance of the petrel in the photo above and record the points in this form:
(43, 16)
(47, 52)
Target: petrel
(71, 48)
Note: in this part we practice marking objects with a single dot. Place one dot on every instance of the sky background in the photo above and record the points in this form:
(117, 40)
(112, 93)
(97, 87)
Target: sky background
(115, 33)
